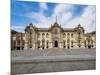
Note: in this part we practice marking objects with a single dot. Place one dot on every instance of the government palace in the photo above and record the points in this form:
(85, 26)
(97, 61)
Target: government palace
(53, 37)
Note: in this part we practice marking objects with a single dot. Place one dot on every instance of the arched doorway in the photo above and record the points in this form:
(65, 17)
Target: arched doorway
(56, 43)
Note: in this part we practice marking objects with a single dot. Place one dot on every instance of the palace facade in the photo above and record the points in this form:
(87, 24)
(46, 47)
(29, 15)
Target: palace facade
(53, 37)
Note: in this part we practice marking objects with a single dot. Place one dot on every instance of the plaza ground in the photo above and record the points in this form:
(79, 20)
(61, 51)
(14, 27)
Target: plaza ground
(52, 60)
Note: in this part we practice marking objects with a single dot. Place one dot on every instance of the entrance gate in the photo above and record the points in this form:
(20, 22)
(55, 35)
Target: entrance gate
(56, 44)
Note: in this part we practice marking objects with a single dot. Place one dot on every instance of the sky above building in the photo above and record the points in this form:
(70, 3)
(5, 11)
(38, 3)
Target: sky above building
(42, 15)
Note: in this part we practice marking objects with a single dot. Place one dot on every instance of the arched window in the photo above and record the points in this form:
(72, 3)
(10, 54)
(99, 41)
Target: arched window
(38, 34)
(43, 35)
(72, 35)
(64, 35)
(47, 35)
(68, 35)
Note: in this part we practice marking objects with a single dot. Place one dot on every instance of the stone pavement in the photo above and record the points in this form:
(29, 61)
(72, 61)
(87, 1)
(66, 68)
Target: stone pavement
(52, 60)
(27, 68)
(52, 52)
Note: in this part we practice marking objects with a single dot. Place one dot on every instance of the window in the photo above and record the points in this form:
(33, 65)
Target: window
(79, 34)
(72, 35)
(38, 43)
(43, 35)
(71, 43)
(85, 43)
(38, 34)
(18, 42)
(64, 35)
(43, 40)
(47, 35)
(64, 44)
(79, 45)
(68, 40)
(43, 43)
(92, 43)
(18, 37)
(23, 42)
(47, 43)
(68, 34)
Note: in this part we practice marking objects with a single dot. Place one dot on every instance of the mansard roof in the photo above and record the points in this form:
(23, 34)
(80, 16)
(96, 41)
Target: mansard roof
(43, 29)
(13, 32)
(90, 33)
(68, 29)
(54, 25)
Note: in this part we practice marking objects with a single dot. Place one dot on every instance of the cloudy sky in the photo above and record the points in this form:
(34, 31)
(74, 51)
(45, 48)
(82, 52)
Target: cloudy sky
(43, 15)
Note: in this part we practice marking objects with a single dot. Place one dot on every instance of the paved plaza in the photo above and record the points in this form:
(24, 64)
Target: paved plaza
(52, 60)
(52, 52)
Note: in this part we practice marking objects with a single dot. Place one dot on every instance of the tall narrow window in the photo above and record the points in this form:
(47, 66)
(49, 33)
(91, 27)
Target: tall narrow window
(68, 43)
(64, 44)
(71, 43)
(64, 35)
(38, 43)
(72, 35)
(79, 45)
(47, 35)
(68, 35)
(23, 43)
(67, 40)
(79, 35)
(30, 39)
(18, 42)
(38, 34)
(43, 43)
(47, 44)
(92, 42)
(43, 35)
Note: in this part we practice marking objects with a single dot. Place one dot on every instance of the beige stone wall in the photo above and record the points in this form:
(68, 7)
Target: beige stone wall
(56, 37)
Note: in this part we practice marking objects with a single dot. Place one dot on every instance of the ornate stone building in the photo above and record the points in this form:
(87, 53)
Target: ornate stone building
(53, 37)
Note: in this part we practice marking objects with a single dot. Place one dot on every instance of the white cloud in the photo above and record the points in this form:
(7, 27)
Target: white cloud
(62, 8)
(87, 19)
(18, 28)
(43, 6)
(64, 14)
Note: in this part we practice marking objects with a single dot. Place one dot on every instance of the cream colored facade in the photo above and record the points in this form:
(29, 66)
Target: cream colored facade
(53, 37)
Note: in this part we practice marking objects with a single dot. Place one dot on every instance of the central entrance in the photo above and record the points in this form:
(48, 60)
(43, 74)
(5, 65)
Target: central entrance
(56, 43)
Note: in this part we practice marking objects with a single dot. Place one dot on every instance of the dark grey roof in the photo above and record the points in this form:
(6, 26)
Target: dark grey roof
(68, 29)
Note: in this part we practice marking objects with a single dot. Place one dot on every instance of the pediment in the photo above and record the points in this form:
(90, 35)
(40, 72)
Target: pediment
(30, 28)
(56, 26)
